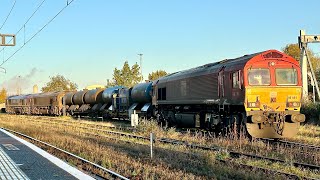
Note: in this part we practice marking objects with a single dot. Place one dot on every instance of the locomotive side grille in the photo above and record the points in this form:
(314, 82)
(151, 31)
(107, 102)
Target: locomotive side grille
(193, 88)
(202, 87)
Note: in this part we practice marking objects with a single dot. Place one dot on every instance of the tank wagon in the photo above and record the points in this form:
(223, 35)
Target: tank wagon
(141, 100)
(116, 102)
(260, 93)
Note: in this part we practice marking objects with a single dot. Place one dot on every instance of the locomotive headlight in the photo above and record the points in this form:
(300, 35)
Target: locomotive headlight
(253, 101)
(253, 104)
(293, 104)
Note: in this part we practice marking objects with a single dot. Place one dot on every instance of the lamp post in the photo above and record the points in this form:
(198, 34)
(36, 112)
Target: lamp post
(141, 66)
(64, 101)
(19, 86)
(64, 106)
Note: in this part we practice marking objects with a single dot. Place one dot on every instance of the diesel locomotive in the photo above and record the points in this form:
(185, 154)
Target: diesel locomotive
(260, 92)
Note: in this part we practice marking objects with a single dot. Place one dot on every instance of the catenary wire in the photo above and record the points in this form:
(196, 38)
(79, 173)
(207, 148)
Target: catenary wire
(23, 26)
(8, 15)
(68, 3)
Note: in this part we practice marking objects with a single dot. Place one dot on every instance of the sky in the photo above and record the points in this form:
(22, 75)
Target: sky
(88, 39)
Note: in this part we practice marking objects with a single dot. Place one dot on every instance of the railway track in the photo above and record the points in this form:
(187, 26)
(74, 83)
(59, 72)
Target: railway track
(233, 154)
(285, 143)
(118, 127)
(117, 176)
(292, 144)
(205, 134)
(266, 170)
(73, 156)
(271, 141)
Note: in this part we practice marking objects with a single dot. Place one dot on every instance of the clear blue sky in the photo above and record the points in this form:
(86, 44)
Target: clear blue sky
(90, 38)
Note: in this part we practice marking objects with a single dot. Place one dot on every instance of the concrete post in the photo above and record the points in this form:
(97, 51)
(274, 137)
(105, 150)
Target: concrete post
(151, 144)
(64, 106)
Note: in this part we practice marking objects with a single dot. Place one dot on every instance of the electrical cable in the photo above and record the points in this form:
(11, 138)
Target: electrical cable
(68, 3)
(23, 26)
(8, 15)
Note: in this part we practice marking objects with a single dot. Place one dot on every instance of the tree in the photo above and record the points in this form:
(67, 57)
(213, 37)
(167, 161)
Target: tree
(293, 50)
(59, 83)
(127, 76)
(3, 95)
(157, 74)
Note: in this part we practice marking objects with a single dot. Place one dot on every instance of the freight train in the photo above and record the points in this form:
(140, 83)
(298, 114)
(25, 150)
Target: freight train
(260, 92)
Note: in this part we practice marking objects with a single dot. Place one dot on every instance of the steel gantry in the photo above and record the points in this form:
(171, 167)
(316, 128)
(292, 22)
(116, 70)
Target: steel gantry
(305, 61)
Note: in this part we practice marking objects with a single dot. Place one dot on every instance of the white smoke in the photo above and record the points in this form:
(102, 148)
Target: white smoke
(18, 83)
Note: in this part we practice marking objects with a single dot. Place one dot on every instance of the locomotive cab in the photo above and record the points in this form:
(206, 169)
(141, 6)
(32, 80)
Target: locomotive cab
(273, 96)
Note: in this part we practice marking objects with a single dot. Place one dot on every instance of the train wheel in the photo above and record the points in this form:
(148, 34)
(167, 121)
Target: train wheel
(161, 120)
(171, 119)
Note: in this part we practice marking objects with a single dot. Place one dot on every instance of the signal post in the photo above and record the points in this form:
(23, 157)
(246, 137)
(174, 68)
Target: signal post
(7, 40)
(303, 40)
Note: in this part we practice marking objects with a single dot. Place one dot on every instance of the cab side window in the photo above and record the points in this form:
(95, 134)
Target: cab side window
(236, 83)
(162, 94)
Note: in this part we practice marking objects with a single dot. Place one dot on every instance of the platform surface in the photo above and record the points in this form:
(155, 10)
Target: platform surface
(19, 160)
(8, 169)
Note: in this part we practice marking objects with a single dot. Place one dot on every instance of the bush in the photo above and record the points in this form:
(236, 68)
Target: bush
(312, 112)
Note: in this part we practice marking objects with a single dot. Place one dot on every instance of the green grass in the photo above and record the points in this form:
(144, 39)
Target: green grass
(309, 134)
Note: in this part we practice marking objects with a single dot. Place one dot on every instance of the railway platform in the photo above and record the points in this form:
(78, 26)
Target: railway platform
(20, 159)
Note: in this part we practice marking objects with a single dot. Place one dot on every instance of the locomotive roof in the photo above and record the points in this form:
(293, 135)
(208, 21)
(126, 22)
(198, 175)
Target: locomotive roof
(45, 94)
(17, 97)
(210, 67)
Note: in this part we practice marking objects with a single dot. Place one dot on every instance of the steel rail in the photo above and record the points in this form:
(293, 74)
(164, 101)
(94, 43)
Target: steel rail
(101, 130)
(196, 146)
(291, 143)
(113, 174)
(127, 128)
(267, 170)
(177, 142)
(279, 141)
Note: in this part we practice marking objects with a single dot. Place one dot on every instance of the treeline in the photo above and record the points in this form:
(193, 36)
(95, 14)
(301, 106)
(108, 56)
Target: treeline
(129, 76)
